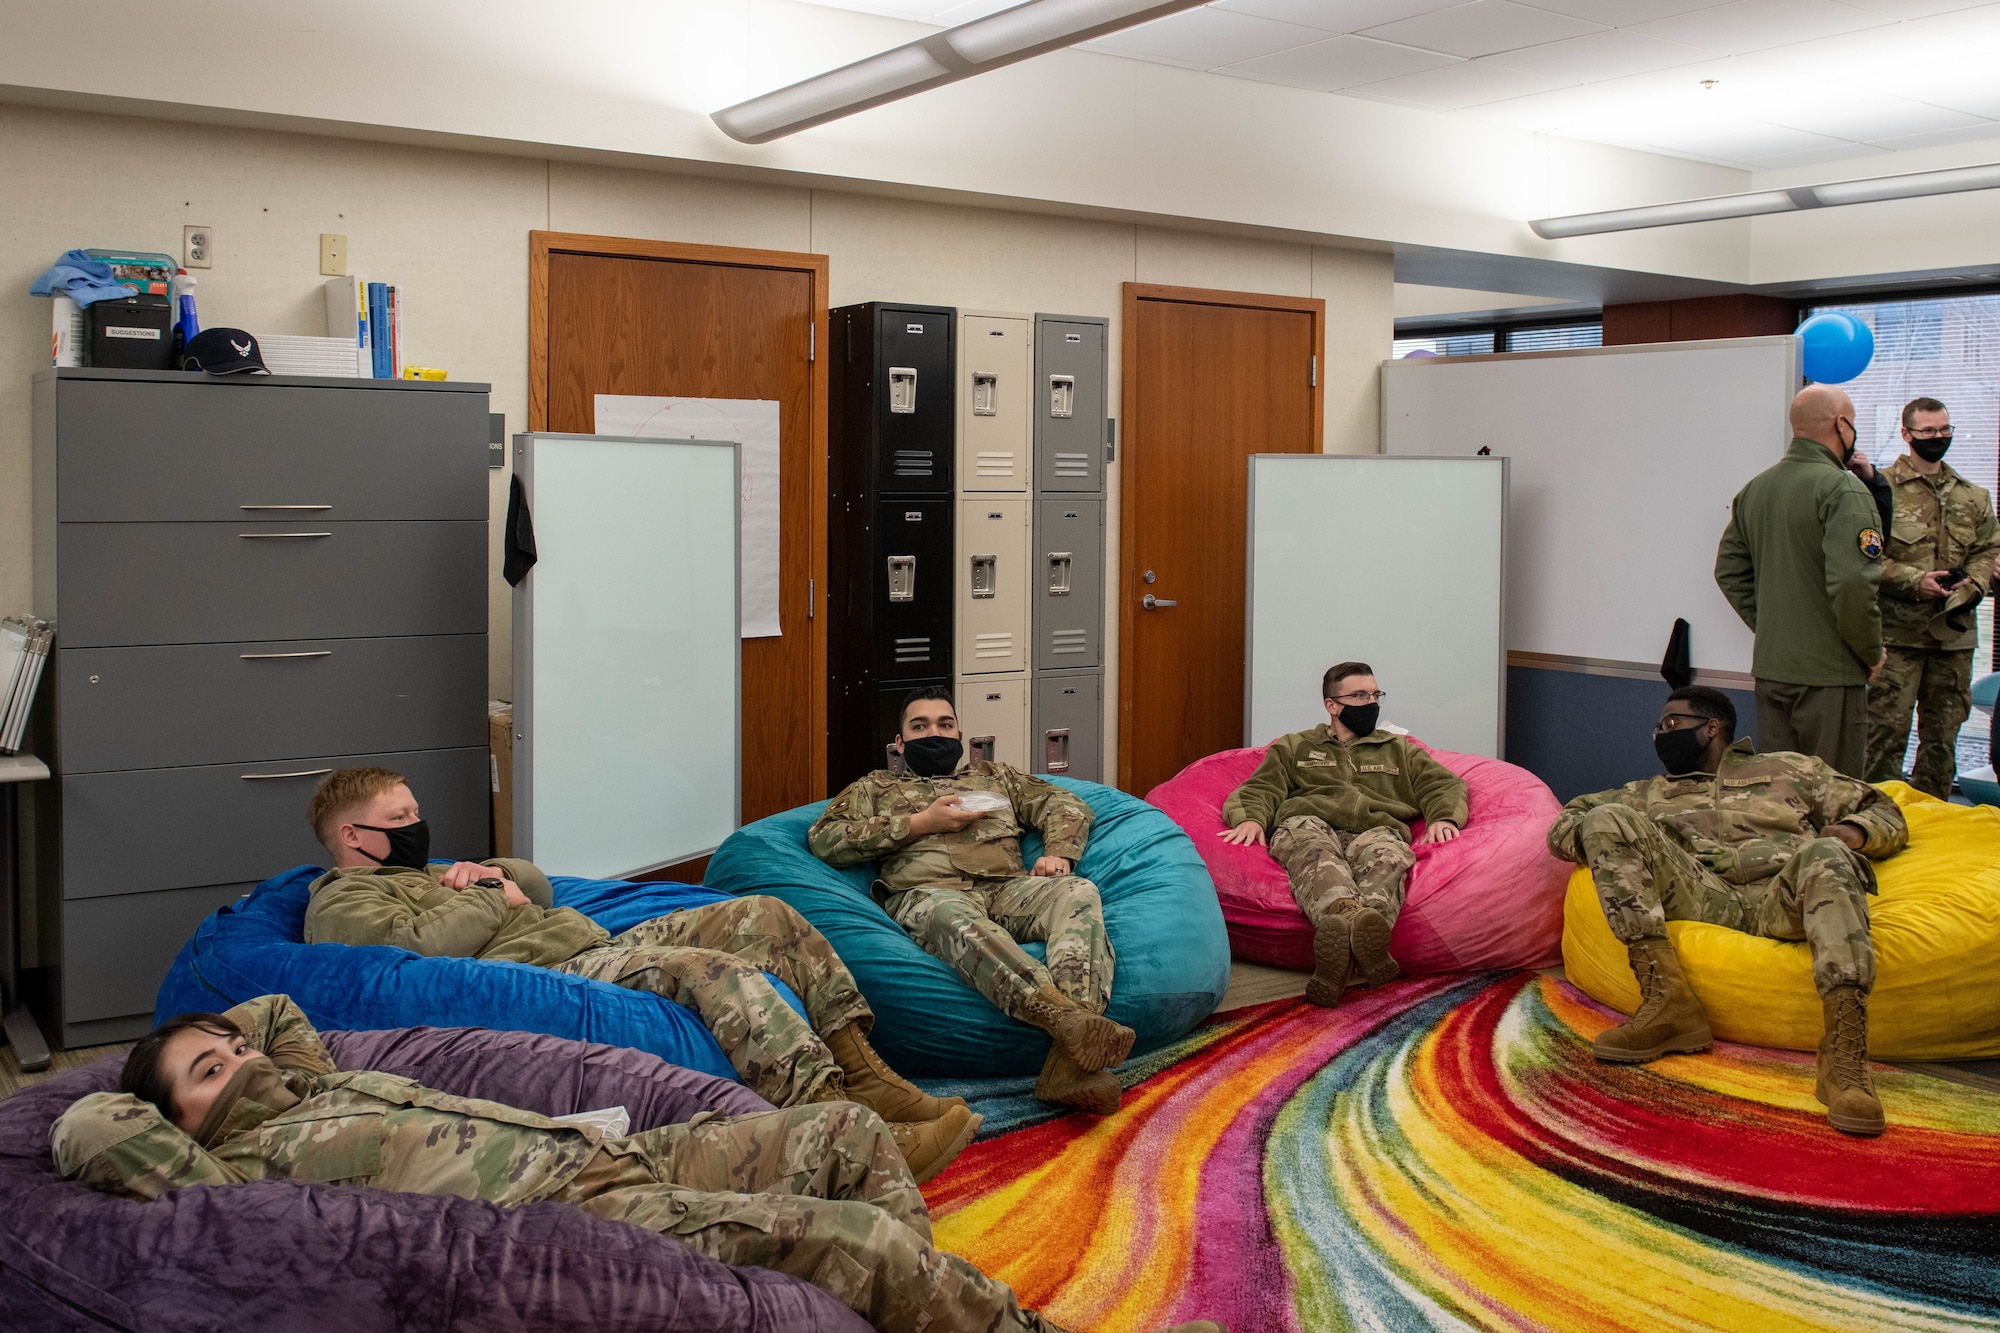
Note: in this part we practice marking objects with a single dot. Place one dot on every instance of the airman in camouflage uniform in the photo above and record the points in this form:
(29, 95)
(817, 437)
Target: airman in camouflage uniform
(1943, 525)
(819, 1192)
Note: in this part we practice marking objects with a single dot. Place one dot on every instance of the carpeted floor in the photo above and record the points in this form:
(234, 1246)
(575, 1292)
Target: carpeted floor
(1445, 1153)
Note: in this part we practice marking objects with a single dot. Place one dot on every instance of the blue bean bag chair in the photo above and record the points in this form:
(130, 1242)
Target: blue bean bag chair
(255, 946)
(1159, 907)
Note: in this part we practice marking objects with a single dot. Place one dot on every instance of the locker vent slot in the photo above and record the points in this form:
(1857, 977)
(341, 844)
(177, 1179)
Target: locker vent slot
(1069, 641)
(916, 649)
(917, 462)
(903, 579)
(1056, 749)
(1062, 395)
(985, 576)
(982, 747)
(903, 387)
(1072, 465)
(994, 645)
(985, 393)
(994, 463)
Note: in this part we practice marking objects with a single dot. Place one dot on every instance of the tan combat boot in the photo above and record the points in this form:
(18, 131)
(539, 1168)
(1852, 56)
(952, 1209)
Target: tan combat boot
(930, 1147)
(1843, 1085)
(881, 1089)
(1670, 1018)
(1065, 1083)
(1093, 1041)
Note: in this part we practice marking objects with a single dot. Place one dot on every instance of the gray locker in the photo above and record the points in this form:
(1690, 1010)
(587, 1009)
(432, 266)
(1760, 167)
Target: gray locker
(1069, 583)
(993, 717)
(1070, 403)
(992, 585)
(1067, 736)
(994, 430)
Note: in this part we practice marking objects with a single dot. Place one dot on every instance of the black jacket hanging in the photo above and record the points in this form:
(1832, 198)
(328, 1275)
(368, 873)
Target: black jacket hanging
(517, 544)
(1677, 666)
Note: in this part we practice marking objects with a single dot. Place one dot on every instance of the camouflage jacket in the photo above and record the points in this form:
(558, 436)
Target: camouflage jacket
(357, 1129)
(871, 821)
(1747, 820)
(412, 910)
(1942, 522)
(1381, 780)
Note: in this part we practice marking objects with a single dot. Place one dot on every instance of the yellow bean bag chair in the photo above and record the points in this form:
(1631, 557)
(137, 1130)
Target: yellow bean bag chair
(1937, 950)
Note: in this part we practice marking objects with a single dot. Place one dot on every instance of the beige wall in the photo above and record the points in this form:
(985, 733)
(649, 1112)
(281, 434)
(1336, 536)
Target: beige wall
(451, 228)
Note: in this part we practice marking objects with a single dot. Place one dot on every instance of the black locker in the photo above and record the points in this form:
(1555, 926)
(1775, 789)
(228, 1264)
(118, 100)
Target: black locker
(892, 423)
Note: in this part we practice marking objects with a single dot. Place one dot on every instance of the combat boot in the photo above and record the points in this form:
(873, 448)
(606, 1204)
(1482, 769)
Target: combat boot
(1670, 1018)
(881, 1089)
(1844, 1086)
(1065, 1083)
(931, 1147)
(1093, 1041)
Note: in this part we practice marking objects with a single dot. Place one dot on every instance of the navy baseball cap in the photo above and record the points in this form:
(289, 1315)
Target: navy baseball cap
(224, 352)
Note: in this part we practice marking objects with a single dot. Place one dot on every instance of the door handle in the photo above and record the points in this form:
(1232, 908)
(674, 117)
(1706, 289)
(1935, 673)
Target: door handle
(1152, 603)
(254, 536)
(295, 507)
(302, 773)
(985, 576)
(902, 578)
(1055, 750)
(263, 657)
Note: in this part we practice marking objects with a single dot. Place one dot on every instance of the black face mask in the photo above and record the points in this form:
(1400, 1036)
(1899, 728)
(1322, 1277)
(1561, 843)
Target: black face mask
(1681, 751)
(1360, 718)
(1847, 449)
(1931, 451)
(933, 756)
(409, 845)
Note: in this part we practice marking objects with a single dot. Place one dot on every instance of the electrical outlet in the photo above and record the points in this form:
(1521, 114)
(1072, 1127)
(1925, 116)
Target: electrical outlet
(197, 247)
(332, 255)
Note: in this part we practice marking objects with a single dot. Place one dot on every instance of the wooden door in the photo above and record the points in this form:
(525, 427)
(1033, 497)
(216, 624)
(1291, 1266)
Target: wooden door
(655, 318)
(1210, 378)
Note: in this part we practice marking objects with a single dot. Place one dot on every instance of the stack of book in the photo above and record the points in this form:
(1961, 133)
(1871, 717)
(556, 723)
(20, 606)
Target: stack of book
(370, 316)
(24, 649)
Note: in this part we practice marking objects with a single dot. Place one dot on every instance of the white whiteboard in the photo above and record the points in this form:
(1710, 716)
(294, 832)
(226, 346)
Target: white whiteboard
(1625, 460)
(626, 654)
(1396, 562)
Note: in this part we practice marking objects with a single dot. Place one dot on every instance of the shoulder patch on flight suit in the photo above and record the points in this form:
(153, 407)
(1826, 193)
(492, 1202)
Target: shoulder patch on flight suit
(1871, 543)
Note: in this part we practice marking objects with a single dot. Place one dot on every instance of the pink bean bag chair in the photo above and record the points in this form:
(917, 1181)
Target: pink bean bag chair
(1490, 898)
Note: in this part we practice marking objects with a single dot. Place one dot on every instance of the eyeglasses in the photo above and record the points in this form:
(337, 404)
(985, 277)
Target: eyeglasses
(1930, 433)
(1672, 722)
(1362, 697)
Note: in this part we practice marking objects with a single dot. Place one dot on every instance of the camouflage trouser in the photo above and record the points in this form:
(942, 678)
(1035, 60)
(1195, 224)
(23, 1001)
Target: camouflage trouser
(1325, 865)
(1645, 878)
(1939, 685)
(712, 959)
(974, 931)
(819, 1192)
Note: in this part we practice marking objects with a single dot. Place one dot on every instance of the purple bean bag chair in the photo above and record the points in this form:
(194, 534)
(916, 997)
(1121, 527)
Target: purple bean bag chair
(1490, 898)
(279, 1256)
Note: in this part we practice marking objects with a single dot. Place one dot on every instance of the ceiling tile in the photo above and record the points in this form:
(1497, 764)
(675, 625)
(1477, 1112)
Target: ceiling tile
(1204, 38)
(1453, 86)
(1747, 142)
(1812, 157)
(1863, 55)
(1752, 25)
(968, 11)
(1339, 62)
(1597, 55)
(1857, 114)
(1336, 15)
(1974, 134)
(1980, 24)
(1910, 9)
(1482, 28)
(1625, 13)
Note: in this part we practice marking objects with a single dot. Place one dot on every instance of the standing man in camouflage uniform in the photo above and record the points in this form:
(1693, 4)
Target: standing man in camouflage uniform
(819, 1192)
(383, 890)
(1776, 845)
(1339, 801)
(948, 835)
(1800, 562)
(1938, 568)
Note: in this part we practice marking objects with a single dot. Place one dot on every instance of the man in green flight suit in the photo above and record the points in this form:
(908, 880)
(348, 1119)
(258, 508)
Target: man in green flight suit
(1800, 562)
(819, 1192)
(1937, 569)
(1338, 802)
(383, 890)
(1772, 844)
(948, 836)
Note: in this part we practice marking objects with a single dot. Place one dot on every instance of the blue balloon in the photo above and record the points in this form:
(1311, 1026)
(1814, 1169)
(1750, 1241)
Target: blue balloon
(1837, 347)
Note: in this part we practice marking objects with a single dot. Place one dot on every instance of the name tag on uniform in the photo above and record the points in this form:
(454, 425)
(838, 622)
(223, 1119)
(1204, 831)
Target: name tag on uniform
(1315, 754)
(1381, 768)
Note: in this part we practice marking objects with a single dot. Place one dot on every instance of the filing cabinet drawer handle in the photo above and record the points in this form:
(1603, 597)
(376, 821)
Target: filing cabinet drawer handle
(265, 657)
(253, 536)
(302, 773)
(291, 507)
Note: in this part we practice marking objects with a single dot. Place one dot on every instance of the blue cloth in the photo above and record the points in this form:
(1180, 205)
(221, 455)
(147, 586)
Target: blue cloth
(255, 947)
(1159, 908)
(79, 277)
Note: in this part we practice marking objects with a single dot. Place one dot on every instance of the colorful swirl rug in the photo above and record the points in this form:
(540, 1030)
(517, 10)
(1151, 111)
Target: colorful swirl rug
(1444, 1153)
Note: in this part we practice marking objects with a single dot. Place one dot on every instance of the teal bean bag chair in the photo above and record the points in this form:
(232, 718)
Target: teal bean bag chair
(1159, 908)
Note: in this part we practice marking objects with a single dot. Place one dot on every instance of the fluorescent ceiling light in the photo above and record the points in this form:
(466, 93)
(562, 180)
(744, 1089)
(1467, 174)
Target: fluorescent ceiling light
(1913, 185)
(944, 57)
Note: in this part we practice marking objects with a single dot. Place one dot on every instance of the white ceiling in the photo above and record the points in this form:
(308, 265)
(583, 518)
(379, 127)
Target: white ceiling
(1788, 82)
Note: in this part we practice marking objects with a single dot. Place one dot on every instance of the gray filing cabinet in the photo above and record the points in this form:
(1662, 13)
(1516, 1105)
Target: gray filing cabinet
(255, 580)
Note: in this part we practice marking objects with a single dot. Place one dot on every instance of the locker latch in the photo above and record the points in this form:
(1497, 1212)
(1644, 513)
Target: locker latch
(985, 577)
(1062, 395)
(1056, 752)
(982, 748)
(902, 578)
(985, 393)
(903, 389)
(1059, 563)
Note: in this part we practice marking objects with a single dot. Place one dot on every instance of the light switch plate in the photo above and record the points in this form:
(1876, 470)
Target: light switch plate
(197, 247)
(332, 255)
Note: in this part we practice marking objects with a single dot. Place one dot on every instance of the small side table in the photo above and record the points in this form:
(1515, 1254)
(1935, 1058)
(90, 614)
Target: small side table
(30, 1047)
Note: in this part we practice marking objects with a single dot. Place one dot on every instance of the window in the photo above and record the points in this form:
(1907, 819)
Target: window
(1504, 338)
(1559, 338)
(1443, 344)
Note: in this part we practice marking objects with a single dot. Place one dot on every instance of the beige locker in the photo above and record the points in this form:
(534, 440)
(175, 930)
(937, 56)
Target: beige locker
(991, 599)
(993, 718)
(995, 427)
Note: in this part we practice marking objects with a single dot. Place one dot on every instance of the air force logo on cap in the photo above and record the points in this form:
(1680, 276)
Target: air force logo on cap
(224, 352)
